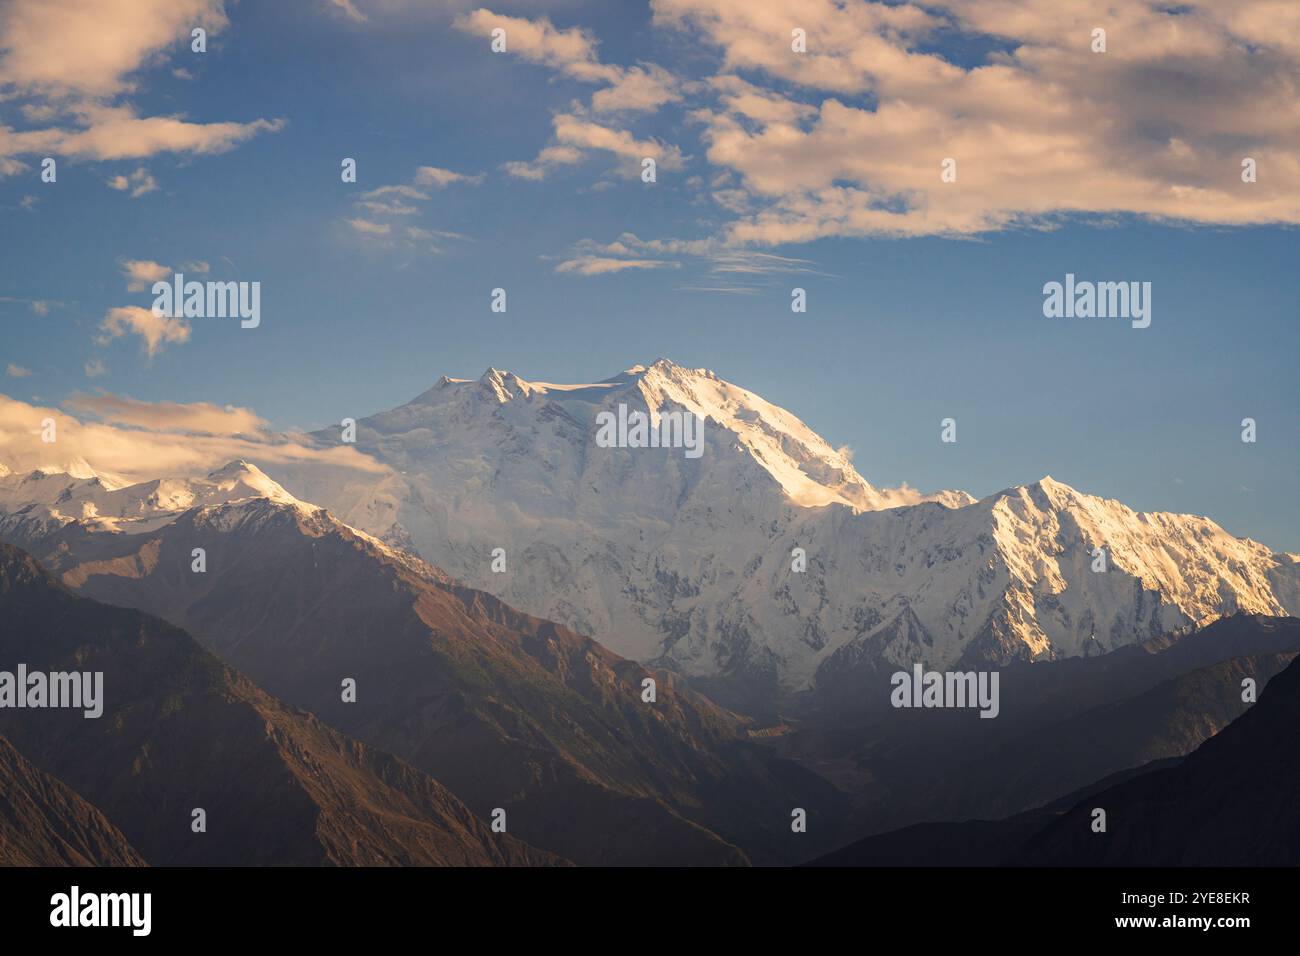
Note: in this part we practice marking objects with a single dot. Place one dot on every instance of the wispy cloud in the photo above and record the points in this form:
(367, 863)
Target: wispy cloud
(386, 212)
(369, 228)
(596, 265)
(198, 418)
(441, 178)
(37, 306)
(170, 439)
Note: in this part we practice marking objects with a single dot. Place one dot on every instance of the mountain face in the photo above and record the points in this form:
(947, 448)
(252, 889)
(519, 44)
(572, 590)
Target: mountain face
(180, 730)
(44, 823)
(1231, 802)
(688, 561)
(1061, 725)
(507, 710)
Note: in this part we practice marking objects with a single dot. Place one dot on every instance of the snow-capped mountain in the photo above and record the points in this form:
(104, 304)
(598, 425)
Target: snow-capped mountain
(689, 560)
(50, 497)
(508, 710)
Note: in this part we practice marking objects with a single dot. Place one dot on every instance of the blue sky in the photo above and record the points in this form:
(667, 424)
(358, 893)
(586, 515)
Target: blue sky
(776, 170)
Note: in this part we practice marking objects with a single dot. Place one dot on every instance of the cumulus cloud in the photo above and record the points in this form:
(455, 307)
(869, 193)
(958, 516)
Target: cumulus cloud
(74, 61)
(571, 51)
(118, 133)
(138, 182)
(546, 160)
(155, 331)
(93, 46)
(17, 371)
(849, 137)
(1044, 129)
(576, 136)
(586, 134)
(638, 89)
(141, 274)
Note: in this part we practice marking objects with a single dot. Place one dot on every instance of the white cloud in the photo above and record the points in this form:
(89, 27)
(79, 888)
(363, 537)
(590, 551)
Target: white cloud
(598, 265)
(441, 178)
(388, 209)
(118, 133)
(74, 61)
(369, 228)
(155, 331)
(17, 371)
(847, 138)
(638, 89)
(92, 47)
(139, 182)
(406, 192)
(202, 418)
(546, 160)
(157, 442)
(572, 51)
(1046, 130)
(349, 10)
(577, 136)
(141, 274)
(376, 208)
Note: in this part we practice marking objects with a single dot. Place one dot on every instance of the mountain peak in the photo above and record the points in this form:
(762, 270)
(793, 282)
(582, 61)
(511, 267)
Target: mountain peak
(240, 475)
(503, 385)
(1046, 493)
(1055, 490)
(76, 468)
(809, 471)
(668, 369)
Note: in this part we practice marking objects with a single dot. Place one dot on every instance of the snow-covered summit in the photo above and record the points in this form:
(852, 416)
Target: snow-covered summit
(54, 497)
(691, 561)
(807, 470)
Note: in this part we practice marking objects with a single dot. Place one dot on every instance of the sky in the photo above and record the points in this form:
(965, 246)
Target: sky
(775, 169)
